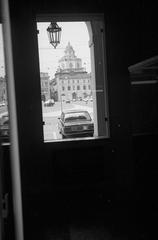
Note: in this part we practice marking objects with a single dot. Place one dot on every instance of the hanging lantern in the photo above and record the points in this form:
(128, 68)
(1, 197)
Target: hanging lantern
(54, 34)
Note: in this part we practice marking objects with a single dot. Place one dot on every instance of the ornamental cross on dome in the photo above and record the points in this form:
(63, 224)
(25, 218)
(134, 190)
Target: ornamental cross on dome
(69, 51)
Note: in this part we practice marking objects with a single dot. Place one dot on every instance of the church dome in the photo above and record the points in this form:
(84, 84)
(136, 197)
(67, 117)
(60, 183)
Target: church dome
(69, 51)
(69, 62)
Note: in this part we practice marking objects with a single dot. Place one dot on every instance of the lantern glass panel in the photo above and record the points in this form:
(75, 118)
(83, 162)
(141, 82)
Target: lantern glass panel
(54, 34)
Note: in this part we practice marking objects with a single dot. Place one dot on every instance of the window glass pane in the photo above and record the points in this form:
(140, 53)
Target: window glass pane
(4, 118)
(76, 116)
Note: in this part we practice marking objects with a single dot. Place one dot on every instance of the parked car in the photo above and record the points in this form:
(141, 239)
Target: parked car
(67, 100)
(85, 100)
(49, 103)
(91, 99)
(4, 128)
(2, 104)
(75, 123)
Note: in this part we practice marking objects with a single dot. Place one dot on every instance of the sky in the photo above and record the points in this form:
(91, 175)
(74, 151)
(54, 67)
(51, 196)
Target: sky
(74, 32)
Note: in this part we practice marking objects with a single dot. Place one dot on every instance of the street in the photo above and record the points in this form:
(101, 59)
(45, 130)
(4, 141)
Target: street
(51, 114)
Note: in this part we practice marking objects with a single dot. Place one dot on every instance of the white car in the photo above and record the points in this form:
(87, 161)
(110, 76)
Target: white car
(49, 103)
(2, 104)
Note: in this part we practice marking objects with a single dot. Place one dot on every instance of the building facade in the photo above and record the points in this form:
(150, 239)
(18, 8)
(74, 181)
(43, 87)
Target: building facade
(72, 80)
(3, 89)
(45, 86)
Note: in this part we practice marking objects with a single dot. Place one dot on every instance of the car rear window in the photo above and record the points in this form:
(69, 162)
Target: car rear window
(77, 116)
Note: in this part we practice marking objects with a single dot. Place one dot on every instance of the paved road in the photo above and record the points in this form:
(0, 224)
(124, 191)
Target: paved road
(51, 114)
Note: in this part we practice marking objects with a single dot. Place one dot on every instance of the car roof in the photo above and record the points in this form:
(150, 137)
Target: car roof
(5, 116)
(74, 111)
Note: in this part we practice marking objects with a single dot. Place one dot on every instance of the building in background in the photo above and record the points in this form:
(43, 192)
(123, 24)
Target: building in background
(3, 90)
(72, 82)
(45, 86)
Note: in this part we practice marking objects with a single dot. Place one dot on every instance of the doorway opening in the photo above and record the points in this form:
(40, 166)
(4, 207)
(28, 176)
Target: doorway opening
(73, 81)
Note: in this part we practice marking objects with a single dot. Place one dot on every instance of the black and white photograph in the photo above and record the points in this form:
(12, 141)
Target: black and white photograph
(78, 120)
